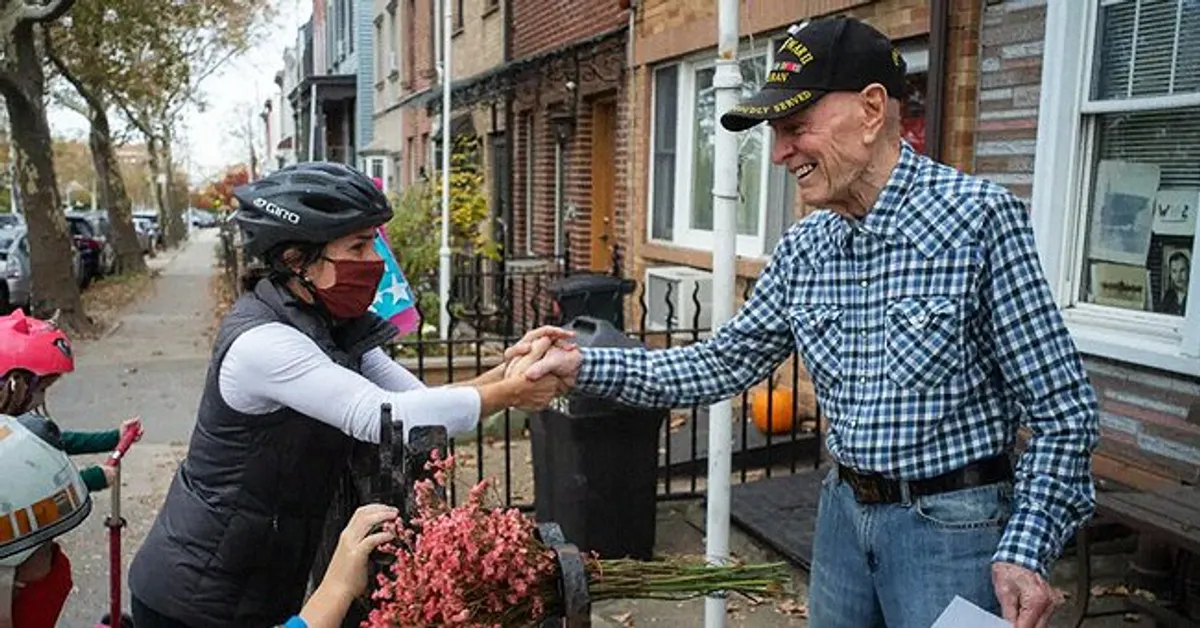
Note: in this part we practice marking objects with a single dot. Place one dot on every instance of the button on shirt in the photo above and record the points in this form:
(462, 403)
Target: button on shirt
(930, 334)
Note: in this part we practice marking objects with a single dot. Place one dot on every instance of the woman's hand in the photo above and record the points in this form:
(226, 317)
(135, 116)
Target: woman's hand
(529, 394)
(557, 335)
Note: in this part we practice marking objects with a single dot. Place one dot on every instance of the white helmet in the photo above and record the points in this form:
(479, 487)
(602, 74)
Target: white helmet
(44, 497)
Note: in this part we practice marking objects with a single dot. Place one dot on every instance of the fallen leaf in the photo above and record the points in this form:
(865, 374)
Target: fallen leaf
(792, 607)
(625, 619)
(678, 422)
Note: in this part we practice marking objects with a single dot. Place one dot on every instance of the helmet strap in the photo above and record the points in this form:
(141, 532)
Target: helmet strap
(316, 303)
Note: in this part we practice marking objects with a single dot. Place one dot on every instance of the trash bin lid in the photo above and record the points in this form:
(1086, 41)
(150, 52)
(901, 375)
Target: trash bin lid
(599, 333)
(589, 282)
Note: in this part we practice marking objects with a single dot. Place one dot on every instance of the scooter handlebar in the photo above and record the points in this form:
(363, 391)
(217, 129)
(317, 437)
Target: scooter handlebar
(128, 437)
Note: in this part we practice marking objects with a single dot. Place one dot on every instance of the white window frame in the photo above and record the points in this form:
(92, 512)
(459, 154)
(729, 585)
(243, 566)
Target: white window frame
(683, 235)
(368, 167)
(1061, 197)
(682, 232)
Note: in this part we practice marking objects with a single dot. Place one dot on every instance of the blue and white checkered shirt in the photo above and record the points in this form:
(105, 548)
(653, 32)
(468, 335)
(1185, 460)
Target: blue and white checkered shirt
(930, 334)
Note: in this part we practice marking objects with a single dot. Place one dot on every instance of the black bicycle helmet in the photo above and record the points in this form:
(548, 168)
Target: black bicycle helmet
(313, 202)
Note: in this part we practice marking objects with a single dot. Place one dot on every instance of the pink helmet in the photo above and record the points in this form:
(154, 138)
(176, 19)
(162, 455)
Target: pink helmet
(33, 345)
(378, 181)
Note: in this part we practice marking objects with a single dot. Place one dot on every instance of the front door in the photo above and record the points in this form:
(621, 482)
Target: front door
(603, 233)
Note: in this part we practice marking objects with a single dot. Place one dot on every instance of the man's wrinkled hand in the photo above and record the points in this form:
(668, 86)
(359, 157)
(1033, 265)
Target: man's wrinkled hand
(560, 363)
(1026, 599)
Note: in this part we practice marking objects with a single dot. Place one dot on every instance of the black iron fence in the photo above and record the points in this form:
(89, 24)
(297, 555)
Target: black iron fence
(494, 302)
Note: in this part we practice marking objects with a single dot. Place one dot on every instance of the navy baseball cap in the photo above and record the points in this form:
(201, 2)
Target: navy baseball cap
(836, 54)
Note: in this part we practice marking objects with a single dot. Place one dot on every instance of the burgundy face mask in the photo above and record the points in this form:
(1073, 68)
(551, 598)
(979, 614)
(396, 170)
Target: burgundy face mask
(353, 290)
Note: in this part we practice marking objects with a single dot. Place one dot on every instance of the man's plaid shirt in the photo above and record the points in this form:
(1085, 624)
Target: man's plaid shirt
(930, 335)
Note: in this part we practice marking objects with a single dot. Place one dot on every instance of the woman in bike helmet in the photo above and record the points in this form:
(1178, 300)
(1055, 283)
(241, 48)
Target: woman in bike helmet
(33, 355)
(298, 374)
(41, 498)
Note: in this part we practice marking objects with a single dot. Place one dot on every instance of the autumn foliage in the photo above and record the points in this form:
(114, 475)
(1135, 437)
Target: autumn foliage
(218, 195)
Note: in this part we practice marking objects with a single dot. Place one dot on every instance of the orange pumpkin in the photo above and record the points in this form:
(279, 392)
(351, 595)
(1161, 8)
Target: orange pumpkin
(781, 415)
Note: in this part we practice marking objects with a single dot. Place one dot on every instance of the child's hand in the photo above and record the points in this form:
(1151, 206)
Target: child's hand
(132, 425)
(110, 474)
(347, 572)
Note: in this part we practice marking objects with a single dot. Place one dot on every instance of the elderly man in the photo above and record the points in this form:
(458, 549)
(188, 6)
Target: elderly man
(916, 300)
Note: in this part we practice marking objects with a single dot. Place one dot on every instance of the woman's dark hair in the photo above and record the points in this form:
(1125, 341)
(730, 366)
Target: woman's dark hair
(277, 263)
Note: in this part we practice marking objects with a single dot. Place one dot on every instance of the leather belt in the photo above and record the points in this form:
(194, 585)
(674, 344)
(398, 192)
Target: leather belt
(873, 488)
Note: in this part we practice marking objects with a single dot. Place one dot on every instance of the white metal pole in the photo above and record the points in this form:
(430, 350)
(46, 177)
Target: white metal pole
(727, 82)
(444, 262)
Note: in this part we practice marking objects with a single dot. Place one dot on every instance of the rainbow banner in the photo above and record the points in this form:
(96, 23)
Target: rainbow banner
(394, 300)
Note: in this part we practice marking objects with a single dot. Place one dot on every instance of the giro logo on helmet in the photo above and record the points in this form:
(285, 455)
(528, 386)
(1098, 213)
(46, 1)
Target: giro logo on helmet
(277, 211)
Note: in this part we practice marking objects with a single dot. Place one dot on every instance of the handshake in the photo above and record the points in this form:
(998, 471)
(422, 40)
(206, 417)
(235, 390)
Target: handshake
(539, 368)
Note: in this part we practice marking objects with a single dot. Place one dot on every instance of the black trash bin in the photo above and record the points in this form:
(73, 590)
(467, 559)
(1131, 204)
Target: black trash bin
(595, 463)
(591, 294)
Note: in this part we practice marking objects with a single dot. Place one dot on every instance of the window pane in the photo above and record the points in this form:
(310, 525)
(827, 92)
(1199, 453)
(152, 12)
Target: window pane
(1144, 46)
(666, 118)
(1143, 204)
(704, 146)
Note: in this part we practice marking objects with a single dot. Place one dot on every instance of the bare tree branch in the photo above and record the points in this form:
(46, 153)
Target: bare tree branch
(90, 101)
(47, 12)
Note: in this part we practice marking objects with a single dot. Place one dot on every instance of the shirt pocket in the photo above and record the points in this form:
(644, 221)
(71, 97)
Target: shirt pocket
(818, 329)
(924, 337)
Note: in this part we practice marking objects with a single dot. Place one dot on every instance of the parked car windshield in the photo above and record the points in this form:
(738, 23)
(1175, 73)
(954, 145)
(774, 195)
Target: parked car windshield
(80, 227)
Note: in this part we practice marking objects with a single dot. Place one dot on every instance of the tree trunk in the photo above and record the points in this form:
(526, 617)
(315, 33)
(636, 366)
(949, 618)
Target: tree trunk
(160, 198)
(173, 228)
(108, 171)
(50, 246)
(120, 210)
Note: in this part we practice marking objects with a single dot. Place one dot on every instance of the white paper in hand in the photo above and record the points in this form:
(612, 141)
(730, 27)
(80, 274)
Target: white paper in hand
(963, 614)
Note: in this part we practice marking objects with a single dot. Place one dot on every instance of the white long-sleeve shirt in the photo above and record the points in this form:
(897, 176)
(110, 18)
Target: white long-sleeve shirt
(274, 366)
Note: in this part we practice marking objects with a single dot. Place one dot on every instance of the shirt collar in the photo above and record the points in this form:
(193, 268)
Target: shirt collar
(883, 219)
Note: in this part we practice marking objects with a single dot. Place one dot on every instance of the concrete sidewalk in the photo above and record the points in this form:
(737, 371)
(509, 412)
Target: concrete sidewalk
(151, 362)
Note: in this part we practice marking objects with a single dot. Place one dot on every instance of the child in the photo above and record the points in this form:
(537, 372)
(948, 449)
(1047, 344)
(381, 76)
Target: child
(33, 355)
(41, 498)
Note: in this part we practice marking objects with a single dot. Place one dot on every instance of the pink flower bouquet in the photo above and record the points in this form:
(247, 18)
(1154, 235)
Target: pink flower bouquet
(474, 566)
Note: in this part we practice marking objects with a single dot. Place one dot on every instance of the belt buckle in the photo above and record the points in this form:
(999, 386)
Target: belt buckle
(865, 489)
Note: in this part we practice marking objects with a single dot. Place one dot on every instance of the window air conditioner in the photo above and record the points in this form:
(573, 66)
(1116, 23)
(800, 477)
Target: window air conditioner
(681, 287)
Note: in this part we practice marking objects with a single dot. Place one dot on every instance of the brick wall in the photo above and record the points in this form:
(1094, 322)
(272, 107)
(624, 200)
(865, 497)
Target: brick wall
(533, 108)
(962, 84)
(417, 74)
(479, 46)
(541, 25)
(1010, 75)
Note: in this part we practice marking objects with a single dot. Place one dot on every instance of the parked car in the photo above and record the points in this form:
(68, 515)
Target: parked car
(200, 218)
(145, 243)
(149, 218)
(88, 247)
(11, 221)
(16, 289)
(101, 229)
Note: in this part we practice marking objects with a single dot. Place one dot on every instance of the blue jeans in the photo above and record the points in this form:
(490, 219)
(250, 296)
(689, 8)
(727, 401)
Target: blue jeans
(900, 565)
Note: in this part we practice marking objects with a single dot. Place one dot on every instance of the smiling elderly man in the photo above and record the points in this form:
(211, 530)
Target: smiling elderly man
(916, 300)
